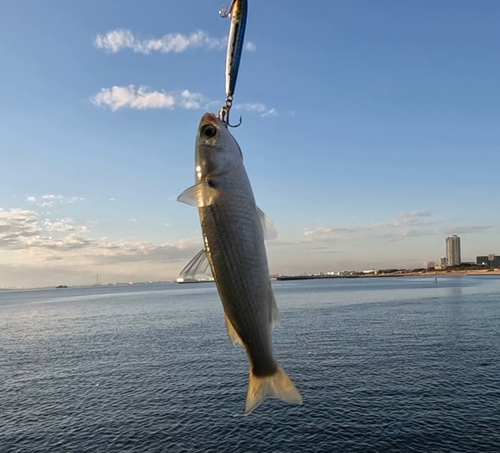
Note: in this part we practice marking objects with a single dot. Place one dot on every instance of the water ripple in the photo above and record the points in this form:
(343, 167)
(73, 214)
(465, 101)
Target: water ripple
(155, 372)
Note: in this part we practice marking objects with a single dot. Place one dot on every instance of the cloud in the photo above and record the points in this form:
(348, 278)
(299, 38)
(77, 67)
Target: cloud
(22, 230)
(257, 107)
(143, 98)
(250, 46)
(39, 240)
(50, 200)
(16, 224)
(328, 232)
(133, 252)
(406, 225)
(271, 112)
(191, 101)
(468, 229)
(37, 251)
(117, 40)
(416, 214)
(64, 226)
(51, 197)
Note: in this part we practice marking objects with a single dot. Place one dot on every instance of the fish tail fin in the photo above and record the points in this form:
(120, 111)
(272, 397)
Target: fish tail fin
(277, 385)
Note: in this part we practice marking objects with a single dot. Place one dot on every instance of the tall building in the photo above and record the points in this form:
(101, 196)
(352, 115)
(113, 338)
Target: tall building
(453, 252)
(444, 261)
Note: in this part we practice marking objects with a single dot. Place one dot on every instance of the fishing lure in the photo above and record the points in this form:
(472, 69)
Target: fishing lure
(238, 12)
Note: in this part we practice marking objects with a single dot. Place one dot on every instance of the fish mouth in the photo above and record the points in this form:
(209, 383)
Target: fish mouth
(210, 118)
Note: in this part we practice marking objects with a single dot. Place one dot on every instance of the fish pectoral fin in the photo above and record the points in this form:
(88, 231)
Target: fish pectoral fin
(270, 231)
(199, 265)
(199, 195)
(233, 335)
(278, 385)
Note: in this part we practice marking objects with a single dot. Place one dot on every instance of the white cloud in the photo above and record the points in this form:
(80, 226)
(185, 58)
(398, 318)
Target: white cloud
(406, 225)
(250, 46)
(15, 224)
(249, 107)
(328, 232)
(257, 107)
(74, 199)
(416, 214)
(50, 200)
(116, 40)
(36, 241)
(119, 97)
(271, 112)
(143, 98)
(191, 101)
(51, 197)
(64, 226)
(468, 229)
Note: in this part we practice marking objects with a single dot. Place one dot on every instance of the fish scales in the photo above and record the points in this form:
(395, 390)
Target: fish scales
(244, 285)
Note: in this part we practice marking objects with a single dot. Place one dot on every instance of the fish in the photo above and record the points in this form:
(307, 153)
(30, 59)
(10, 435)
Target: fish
(234, 230)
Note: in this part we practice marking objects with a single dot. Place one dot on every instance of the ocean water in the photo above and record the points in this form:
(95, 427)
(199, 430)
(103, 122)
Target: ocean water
(383, 365)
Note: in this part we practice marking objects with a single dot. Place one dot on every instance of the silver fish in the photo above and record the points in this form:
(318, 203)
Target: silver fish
(234, 229)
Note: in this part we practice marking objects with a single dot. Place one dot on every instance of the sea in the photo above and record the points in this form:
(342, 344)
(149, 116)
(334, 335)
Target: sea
(383, 365)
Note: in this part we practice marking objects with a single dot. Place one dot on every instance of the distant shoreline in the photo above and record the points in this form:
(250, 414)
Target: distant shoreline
(434, 274)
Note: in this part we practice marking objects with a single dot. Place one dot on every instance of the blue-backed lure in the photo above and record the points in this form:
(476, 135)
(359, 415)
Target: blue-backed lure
(237, 12)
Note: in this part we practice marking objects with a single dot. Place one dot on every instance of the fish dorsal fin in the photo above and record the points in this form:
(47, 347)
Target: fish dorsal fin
(233, 335)
(275, 313)
(200, 195)
(199, 265)
(270, 231)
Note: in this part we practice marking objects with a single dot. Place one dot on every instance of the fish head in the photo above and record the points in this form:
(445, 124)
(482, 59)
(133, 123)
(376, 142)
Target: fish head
(217, 151)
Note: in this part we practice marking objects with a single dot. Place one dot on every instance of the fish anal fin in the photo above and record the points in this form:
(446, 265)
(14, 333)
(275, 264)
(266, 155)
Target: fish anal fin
(233, 335)
(278, 385)
(199, 265)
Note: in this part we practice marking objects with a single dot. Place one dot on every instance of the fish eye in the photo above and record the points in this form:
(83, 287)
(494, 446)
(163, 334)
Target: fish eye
(208, 131)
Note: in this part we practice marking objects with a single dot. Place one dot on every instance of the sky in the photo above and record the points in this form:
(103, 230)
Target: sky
(370, 132)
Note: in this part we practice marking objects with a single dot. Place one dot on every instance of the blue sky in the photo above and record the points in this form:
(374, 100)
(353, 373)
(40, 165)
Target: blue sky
(370, 132)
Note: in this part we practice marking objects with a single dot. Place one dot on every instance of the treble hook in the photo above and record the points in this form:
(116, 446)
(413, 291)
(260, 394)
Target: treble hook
(228, 124)
(224, 113)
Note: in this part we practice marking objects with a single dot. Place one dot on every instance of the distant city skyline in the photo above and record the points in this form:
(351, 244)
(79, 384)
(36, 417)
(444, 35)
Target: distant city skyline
(367, 137)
